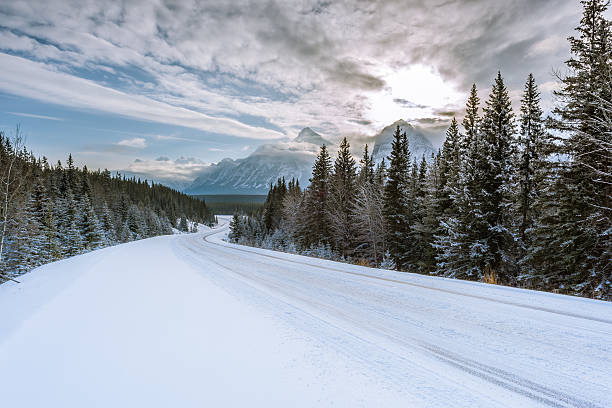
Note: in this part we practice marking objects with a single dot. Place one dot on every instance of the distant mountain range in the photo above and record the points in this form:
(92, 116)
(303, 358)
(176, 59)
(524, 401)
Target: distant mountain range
(253, 174)
(293, 159)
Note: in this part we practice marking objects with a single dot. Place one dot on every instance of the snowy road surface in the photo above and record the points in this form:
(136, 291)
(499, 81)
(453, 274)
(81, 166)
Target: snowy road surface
(191, 321)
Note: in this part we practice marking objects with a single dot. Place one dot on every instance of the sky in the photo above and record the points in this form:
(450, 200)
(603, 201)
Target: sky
(169, 86)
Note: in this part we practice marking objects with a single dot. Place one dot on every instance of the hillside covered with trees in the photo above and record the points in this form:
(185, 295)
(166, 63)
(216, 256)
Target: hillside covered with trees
(513, 198)
(52, 212)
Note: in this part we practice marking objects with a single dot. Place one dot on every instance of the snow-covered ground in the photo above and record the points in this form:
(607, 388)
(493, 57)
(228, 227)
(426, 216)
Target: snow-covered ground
(191, 321)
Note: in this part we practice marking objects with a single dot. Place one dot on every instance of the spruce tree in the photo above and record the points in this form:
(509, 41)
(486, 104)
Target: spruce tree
(575, 255)
(529, 157)
(366, 167)
(460, 245)
(395, 209)
(315, 225)
(343, 191)
(448, 168)
(89, 227)
(235, 228)
(498, 134)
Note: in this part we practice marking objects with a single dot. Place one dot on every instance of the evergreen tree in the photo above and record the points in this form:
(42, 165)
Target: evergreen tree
(395, 209)
(89, 227)
(575, 248)
(498, 133)
(471, 121)
(459, 245)
(343, 190)
(529, 159)
(366, 169)
(449, 164)
(235, 228)
(183, 224)
(315, 225)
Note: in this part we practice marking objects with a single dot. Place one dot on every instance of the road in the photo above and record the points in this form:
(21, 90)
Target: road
(192, 321)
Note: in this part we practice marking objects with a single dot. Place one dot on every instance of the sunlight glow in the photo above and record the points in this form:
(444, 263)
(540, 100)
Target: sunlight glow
(412, 93)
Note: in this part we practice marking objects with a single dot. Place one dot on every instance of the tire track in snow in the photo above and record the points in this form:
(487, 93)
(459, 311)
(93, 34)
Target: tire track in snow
(493, 375)
(452, 292)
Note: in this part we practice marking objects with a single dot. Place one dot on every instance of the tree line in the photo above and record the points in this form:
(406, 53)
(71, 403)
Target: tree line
(52, 212)
(511, 198)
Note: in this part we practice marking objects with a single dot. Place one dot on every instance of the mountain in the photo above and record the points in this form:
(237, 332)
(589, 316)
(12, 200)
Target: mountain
(255, 173)
(418, 143)
(307, 135)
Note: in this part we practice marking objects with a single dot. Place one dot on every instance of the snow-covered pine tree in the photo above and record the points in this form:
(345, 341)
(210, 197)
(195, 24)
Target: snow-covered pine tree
(498, 132)
(366, 168)
(343, 190)
(41, 211)
(108, 224)
(370, 241)
(460, 244)
(529, 158)
(90, 229)
(182, 226)
(471, 121)
(574, 245)
(448, 168)
(292, 208)
(314, 228)
(420, 236)
(136, 224)
(395, 209)
(235, 228)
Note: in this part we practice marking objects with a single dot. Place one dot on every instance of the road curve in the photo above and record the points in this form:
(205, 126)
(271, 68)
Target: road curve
(191, 321)
(488, 343)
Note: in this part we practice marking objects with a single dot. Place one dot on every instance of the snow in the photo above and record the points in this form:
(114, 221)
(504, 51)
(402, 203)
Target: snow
(190, 320)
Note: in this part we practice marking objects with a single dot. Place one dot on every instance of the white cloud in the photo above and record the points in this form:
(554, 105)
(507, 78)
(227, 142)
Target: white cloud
(137, 143)
(164, 169)
(295, 63)
(35, 80)
(31, 115)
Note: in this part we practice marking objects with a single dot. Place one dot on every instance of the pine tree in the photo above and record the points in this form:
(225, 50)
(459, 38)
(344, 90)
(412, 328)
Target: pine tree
(449, 164)
(471, 121)
(343, 191)
(395, 209)
(370, 242)
(459, 245)
(421, 234)
(315, 224)
(366, 169)
(89, 227)
(498, 133)
(574, 255)
(235, 228)
(530, 156)
(183, 224)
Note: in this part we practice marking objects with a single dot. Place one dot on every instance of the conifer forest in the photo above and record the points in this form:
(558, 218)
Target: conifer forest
(53, 212)
(513, 197)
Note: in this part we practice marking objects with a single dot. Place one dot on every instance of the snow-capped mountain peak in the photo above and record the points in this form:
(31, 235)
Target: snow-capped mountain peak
(307, 135)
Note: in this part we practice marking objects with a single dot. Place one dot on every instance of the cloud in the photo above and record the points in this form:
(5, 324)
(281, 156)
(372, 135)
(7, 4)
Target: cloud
(137, 143)
(288, 64)
(164, 169)
(31, 115)
(38, 81)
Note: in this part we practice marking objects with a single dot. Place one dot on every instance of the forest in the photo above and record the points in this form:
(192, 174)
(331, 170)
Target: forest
(512, 198)
(53, 212)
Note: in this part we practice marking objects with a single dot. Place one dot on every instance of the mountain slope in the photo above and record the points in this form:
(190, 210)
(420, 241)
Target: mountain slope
(418, 142)
(255, 173)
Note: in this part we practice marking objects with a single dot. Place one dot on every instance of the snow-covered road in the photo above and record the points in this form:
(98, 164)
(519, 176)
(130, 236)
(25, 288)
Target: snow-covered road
(191, 321)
